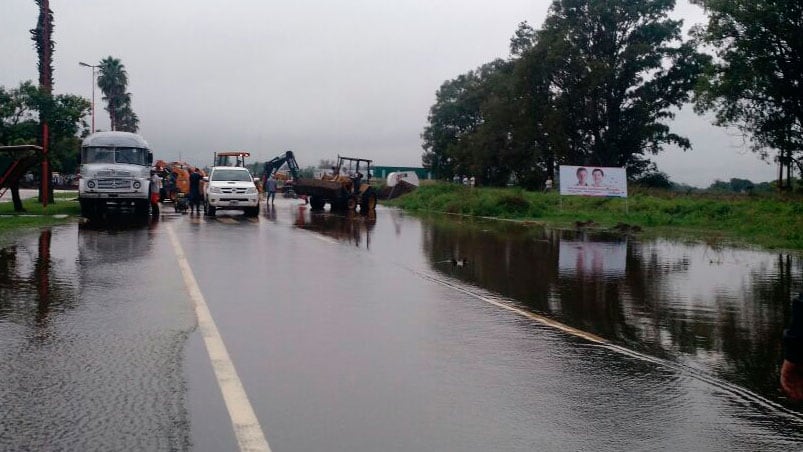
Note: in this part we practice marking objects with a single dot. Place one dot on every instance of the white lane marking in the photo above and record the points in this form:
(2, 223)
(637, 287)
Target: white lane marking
(246, 426)
(323, 238)
(738, 391)
(530, 315)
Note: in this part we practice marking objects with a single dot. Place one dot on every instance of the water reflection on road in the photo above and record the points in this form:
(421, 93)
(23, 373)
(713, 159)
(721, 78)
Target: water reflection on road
(713, 309)
(90, 347)
(720, 310)
(345, 344)
(349, 227)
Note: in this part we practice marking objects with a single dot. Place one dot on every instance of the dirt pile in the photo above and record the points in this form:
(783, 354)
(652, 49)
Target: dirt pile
(401, 188)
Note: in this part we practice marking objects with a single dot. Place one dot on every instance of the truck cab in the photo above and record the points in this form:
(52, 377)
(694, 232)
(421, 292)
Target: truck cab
(115, 171)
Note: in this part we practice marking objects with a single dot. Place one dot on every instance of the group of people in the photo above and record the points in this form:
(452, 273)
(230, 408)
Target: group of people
(465, 180)
(194, 196)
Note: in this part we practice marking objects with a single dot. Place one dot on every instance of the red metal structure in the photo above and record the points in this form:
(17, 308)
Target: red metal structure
(15, 161)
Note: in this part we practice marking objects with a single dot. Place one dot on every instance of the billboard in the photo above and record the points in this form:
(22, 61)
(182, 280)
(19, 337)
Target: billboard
(592, 259)
(593, 181)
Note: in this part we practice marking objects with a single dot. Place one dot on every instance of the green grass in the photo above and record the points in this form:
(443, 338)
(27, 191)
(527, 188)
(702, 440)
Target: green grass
(37, 216)
(768, 221)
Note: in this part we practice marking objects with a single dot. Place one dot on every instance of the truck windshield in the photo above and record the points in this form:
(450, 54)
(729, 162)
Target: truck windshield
(230, 175)
(135, 156)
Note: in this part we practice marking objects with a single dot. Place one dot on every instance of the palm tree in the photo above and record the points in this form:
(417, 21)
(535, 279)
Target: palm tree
(42, 36)
(113, 81)
(127, 120)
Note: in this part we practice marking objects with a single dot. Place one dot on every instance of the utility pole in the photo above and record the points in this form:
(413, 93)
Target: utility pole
(93, 92)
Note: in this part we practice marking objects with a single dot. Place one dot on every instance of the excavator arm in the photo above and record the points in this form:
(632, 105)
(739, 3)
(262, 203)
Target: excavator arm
(277, 162)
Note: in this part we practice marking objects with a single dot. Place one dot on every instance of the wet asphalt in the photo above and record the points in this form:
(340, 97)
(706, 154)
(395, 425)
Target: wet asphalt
(348, 333)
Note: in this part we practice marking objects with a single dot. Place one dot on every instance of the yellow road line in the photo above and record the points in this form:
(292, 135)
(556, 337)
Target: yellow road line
(246, 426)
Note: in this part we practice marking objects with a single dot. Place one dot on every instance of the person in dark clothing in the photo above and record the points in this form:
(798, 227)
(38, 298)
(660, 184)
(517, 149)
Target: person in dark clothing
(270, 189)
(357, 181)
(792, 367)
(195, 191)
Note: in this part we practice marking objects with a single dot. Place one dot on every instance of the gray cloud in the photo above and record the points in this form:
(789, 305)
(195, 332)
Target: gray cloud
(321, 78)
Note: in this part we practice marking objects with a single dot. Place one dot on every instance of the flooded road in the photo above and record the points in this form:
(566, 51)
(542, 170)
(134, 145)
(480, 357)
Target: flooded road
(393, 333)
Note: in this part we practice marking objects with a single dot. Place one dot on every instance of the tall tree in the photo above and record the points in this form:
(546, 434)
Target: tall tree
(617, 68)
(113, 82)
(596, 85)
(755, 83)
(42, 36)
(455, 116)
(127, 120)
(21, 112)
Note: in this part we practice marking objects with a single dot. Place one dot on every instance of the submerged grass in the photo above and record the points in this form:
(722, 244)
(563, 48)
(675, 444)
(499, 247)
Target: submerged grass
(64, 209)
(771, 221)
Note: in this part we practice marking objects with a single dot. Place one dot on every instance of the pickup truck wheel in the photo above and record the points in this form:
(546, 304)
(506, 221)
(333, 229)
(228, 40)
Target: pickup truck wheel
(252, 211)
(210, 210)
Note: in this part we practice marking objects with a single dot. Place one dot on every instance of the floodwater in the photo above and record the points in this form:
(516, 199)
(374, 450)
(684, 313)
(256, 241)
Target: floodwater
(91, 345)
(715, 309)
(392, 332)
(706, 307)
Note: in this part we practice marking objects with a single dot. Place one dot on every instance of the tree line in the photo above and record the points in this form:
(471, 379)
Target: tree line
(27, 108)
(599, 82)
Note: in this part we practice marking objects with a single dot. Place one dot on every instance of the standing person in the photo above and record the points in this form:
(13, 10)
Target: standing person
(548, 185)
(472, 181)
(155, 188)
(195, 191)
(270, 189)
(357, 181)
(792, 367)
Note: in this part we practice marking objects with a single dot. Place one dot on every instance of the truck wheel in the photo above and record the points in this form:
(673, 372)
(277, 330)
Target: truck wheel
(210, 210)
(316, 203)
(368, 202)
(142, 209)
(88, 208)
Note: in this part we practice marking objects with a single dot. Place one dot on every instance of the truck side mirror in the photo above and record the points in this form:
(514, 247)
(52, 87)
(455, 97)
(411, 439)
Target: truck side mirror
(205, 178)
(150, 157)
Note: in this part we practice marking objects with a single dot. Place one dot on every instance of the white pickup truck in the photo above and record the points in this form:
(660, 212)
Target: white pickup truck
(230, 188)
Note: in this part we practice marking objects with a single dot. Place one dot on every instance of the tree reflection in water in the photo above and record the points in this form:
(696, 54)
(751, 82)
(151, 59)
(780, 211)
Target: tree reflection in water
(720, 310)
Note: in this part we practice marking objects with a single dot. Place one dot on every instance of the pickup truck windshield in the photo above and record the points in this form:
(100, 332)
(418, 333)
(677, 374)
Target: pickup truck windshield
(230, 175)
(135, 156)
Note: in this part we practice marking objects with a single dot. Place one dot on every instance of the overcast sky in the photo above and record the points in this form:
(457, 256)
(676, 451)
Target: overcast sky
(355, 77)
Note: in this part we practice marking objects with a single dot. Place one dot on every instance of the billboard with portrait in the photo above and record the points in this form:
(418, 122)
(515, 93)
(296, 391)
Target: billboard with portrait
(585, 258)
(593, 181)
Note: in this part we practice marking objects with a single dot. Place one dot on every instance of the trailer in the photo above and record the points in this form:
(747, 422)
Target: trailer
(343, 188)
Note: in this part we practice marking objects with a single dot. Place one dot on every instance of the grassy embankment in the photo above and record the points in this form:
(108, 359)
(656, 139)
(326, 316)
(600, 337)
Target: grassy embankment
(770, 221)
(64, 209)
